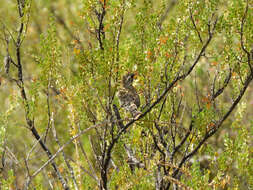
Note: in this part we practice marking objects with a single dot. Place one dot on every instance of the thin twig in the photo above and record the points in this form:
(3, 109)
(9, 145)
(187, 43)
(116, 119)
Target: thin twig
(66, 144)
(241, 35)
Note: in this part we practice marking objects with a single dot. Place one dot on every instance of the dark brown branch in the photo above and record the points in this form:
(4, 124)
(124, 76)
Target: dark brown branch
(217, 125)
(162, 107)
(241, 36)
(132, 160)
(20, 83)
(195, 27)
(163, 141)
(108, 152)
(119, 120)
(156, 144)
(72, 174)
(66, 144)
(100, 33)
(182, 141)
(210, 32)
(220, 90)
(48, 111)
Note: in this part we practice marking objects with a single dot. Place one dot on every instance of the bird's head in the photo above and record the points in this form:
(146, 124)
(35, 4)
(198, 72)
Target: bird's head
(128, 79)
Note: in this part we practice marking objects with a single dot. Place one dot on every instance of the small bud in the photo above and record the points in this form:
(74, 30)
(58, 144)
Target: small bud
(7, 61)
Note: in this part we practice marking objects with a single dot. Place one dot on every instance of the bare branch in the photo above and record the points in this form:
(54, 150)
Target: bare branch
(195, 27)
(241, 35)
(66, 144)
(72, 174)
(217, 125)
(220, 90)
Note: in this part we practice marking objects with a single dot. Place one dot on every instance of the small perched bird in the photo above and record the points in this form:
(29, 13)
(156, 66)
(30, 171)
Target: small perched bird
(128, 96)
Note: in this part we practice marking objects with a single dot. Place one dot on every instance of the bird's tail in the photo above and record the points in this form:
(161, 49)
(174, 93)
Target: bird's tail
(134, 110)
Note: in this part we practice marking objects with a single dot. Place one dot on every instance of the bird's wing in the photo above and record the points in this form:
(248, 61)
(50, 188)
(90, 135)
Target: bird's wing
(125, 97)
(128, 102)
(137, 100)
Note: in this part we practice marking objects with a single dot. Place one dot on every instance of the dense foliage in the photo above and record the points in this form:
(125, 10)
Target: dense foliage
(61, 124)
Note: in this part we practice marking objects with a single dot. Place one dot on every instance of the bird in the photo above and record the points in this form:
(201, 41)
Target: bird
(128, 96)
